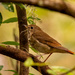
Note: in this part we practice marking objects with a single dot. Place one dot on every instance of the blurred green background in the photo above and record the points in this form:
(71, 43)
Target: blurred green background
(59, 26)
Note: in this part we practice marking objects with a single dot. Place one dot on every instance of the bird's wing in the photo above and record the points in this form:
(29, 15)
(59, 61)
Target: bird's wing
(46, 39)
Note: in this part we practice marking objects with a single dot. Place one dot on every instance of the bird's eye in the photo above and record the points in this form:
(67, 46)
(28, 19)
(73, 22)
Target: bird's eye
(31, 27)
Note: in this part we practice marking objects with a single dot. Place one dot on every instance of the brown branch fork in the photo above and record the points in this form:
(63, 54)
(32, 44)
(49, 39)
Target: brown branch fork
(22, 56)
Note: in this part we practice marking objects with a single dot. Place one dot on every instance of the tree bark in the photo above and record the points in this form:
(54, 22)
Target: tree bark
(22, 56)
(22, 20)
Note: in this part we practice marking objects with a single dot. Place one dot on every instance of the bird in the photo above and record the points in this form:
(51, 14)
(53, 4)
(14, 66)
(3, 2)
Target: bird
(44, 43)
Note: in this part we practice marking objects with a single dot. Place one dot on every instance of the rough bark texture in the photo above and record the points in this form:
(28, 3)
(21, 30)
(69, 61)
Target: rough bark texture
(22, 20)
(55, 5)
(22, 56)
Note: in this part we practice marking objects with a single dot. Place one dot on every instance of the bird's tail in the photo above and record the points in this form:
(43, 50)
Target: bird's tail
(64, 50)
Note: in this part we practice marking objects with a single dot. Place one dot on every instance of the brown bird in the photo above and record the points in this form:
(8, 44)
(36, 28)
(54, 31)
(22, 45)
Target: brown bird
(43, 43)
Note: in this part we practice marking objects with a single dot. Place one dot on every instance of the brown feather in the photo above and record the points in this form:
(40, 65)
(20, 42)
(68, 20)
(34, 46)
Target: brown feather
(44, 38)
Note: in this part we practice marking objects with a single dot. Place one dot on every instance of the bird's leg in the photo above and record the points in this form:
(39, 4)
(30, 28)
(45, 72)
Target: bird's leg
(47, 57)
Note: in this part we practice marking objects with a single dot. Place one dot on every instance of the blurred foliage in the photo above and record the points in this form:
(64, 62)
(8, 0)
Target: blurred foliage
(60, 26)
(10, 43)
(51, 72)
(1, 66)
(70, 0)
(10, 20)
(60, 70)
(15, 73)
(34, 49)
(31, 74)
(29, 62)
(9, 6)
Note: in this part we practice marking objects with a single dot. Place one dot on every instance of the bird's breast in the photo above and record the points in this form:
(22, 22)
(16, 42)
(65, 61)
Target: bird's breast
(39, 46)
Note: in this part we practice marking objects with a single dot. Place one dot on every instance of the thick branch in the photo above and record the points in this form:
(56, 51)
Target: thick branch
(55, 5)
(22, 56)
(22, 20)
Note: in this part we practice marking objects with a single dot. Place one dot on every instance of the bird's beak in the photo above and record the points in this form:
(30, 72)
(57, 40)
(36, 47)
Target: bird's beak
(25, 26)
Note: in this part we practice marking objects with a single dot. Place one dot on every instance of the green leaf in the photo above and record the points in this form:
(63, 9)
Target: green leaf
(51, 72)
(36, 51)
(14, 19)
(31, 22)
(31, 17)
(60, 70)
(38, 18)
(11, 70)
(29, 62)
(39, 64)
(33, 49)
(11, 43)
(20, 5)
(8, 6)
(15, 73)
(31, 74)
(1, 18)
(1, 66)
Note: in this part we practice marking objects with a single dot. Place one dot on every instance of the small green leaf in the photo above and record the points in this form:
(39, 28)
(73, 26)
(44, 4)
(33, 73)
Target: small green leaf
(1, 18)
(30, 17)
(1, 66)
(14, 19)
(60, 70)
(11, 70)
(8, 6)
(33, 49)
(38, 18)
(31, 22)
(10, 43)
(29, 62)
(51, 72)
(15, 73)
(31, 74)
(36, 51)
(39, 64)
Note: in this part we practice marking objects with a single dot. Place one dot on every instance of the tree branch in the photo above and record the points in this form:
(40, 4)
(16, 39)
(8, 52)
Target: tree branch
(22, 20)
(55, 5)
(22, 56)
